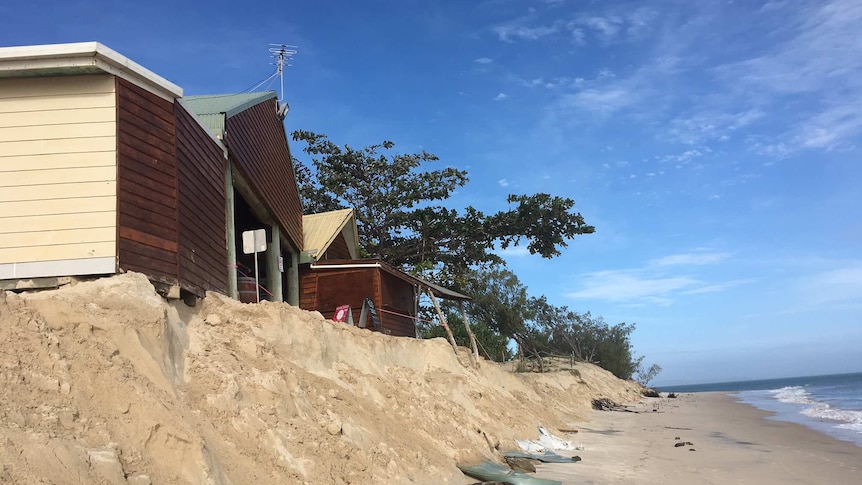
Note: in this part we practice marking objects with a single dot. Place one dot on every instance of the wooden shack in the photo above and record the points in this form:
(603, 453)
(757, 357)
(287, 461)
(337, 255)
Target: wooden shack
(104, 168)
(331, 276)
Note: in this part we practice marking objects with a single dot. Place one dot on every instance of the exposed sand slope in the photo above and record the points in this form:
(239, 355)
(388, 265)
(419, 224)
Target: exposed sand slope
(105, 382)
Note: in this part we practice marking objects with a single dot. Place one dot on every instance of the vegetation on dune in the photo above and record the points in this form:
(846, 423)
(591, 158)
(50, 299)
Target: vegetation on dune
(402, 220)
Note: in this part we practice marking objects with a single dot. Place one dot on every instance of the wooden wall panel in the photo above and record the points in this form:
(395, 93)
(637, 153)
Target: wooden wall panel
(147, 178)
(202, 200)
(307, 289)
(257, 142)
(325, 289)
(397, 296)
(337, 250)
(57, 175)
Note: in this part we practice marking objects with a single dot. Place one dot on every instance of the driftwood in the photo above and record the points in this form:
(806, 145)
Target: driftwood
(605, 404)
(648, 392)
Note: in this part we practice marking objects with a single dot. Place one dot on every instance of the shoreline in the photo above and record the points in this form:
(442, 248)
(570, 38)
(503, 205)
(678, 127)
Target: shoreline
(732, 441)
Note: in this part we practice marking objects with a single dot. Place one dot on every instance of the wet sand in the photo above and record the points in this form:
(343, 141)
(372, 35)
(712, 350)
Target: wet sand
(732, 443)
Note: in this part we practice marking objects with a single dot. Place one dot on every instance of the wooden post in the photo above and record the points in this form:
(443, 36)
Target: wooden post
(443, 321)
(230, 237)
(469, 332)
(293, 278)
(273, 273)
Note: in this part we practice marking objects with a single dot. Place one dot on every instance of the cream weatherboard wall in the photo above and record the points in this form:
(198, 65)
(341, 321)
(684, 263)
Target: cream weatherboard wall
(58, 176)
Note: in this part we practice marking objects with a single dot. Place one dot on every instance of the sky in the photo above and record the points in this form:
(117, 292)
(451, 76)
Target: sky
(715, 146)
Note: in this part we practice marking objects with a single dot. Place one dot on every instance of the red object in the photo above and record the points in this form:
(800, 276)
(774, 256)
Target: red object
(341, 313)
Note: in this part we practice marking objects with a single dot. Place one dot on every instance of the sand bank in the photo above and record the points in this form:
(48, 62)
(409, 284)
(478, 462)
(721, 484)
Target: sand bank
(732, 442)
(106, 382)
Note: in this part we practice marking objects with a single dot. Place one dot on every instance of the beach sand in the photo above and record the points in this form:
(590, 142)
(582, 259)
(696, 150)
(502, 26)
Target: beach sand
(732, 443)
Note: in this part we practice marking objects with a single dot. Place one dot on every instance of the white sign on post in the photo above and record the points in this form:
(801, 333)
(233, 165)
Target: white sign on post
(254, 242)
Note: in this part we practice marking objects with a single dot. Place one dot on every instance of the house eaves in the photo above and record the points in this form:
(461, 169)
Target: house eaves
(81, 58)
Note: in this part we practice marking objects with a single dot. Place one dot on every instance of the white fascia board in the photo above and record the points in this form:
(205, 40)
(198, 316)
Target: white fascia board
(81, 56)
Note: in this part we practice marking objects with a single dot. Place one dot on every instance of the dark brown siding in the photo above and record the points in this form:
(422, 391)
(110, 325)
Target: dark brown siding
(396, 296)
(324, 290)
(337, 250)
(201, 191)
(257, 143)
(307, 289)
(147, 191)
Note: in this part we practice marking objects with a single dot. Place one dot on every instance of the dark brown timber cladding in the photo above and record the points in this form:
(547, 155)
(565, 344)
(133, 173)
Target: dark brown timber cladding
(326, 289)
(337, 250)
(257, 142)
(147, 176)
(397, 297)
(202, 226)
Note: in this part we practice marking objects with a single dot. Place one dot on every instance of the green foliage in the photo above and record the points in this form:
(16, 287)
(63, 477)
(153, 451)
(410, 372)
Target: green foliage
(593, 340)
(491, 344)
(399, 215)
(401, 219)
(646, 375)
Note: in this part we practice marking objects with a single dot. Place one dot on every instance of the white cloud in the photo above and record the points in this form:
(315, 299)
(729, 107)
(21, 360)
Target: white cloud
(830, 287)
(501, 97)
(632, 286)
(603, 101)
(709, 125)
(514, 31)
(514, 251)
(655, 283)
(690, 259)
(483, 60)
(816, 67)
(503, 182)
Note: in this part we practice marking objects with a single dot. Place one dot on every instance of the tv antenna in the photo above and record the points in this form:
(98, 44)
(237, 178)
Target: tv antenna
(283, 54)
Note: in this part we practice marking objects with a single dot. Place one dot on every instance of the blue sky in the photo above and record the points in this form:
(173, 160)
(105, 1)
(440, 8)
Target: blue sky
(714, 145)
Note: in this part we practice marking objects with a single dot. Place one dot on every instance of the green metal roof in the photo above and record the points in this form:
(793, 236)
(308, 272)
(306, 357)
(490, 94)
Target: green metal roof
(213, 110)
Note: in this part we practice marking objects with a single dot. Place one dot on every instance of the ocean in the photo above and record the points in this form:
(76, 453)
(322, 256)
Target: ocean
(829, 404)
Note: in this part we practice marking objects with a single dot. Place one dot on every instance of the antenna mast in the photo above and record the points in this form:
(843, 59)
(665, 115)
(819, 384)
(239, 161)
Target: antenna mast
(283, 54)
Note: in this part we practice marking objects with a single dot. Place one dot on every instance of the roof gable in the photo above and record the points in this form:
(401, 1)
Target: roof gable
(213, 110)
(319, 231)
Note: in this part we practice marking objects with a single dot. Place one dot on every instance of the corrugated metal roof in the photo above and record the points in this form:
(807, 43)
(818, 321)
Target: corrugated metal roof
(215, 123)
(213, 110)
(229, 104)
(320, 230)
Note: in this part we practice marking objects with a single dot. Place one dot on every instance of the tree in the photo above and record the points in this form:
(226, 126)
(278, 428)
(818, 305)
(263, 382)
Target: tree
(399, 213)
(646, 375)
(491, 344)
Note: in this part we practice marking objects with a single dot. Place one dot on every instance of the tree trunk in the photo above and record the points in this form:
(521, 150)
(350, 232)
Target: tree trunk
(470, 334)
(443, 322)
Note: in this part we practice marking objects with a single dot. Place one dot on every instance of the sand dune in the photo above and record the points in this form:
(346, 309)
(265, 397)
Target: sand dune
(106, 382)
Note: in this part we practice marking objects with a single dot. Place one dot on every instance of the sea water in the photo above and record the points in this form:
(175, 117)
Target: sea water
(830, 404)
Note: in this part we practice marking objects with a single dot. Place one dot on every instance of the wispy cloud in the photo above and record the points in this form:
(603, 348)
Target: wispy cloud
(620, 25)
(483, 60)
(501, 97)
(503, 183)
(829, 287)
(817, 67)
(632, 286)
(516, 31)
(660, 281)
(710, 125)
(688, 259)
